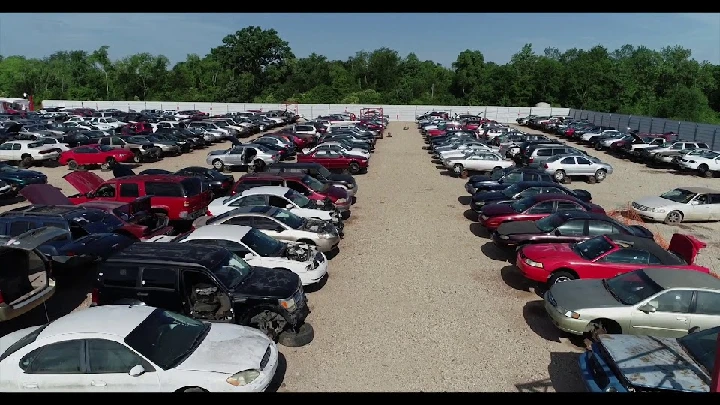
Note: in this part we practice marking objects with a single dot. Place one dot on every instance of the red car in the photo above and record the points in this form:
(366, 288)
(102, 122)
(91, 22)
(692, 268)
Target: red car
(606, 256)
(93, 155)
(137, 216)
(333, 160)
(531, 209)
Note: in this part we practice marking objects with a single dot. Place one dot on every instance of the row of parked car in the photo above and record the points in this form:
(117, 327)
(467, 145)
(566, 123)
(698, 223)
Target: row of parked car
(649, 314)
(165, 301)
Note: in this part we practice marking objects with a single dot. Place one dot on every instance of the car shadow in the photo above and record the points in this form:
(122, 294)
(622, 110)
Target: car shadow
(11, 200)
(465, 199)
(436, 161)
(312, 288)
(470, 215)
(440, 167)
(448, 173)
(493, 252)
(479, 230)
(333, 253)
(564, 372)
(513, 278)
(539, 321)
(277, 381)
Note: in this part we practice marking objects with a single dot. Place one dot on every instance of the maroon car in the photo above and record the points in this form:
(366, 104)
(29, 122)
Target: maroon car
(531, 209)
(137, 217)
(563, 227)
(334, 160)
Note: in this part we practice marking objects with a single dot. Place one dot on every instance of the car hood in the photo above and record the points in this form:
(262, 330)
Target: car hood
(542, 251)
(578, 294)
(517, 227)
(336, 192)
(21, 174)
(656, 363)
(12, 337)
(44, 194)
(228, 349)
(264, 282)
(480, 178)
(84, 182)
(311, 213)
(495, 210)
(342, 178)
(489, 195)
(656, 202)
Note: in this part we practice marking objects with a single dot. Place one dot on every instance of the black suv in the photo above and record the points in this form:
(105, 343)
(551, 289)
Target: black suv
(207, 283)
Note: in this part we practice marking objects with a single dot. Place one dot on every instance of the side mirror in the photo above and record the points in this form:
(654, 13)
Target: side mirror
(289, 206)
(557, 232)
(137, 371)
(647, 308)
(695, 202)
(248, 256)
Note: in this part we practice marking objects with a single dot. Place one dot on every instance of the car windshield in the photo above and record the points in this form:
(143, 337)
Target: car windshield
(262, 244)
(167, 338)
(523, 204)
(512, 190)
(4, 167)
(288, 218)
(593, 248)
(314, 184)
(231, 271)
(297, 198)
(679, 195)
(701, 346)
(631, 288)
(549, 223)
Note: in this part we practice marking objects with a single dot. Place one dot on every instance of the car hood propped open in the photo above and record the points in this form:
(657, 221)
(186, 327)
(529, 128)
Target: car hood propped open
(44, 194)
(84, 182)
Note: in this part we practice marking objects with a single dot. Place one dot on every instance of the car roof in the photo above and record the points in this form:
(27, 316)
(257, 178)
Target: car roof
(274, 175)
(229, 232)
(272, 190)
(527, 184)
(551, 196)
(118, 320)
(647, 245)
(567, 215)
(146, 252)
(700, 190)
(666, 278)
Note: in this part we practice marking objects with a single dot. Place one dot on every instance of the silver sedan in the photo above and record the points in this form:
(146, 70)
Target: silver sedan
(562, 167)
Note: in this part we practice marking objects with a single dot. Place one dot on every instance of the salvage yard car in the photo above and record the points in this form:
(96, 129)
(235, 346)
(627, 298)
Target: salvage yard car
(680, 204)
(336, 160)
(524, 189)
(564, 167)
(94, 155)
(499, 180)
(605, 256)
(706, 164)
(27, 153)
(476, 161)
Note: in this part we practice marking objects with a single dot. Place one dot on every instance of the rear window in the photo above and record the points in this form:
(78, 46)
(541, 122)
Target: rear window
(305, 128)
(544, 152)
(192, 186)
(119, 276)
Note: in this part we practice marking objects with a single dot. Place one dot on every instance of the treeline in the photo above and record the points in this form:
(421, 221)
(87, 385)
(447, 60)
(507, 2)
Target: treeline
(256, 65)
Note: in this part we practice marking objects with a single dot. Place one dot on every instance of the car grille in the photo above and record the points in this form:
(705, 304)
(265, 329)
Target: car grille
(597, 371)
(299, 298)
(265, 358)
(640, 207)
(318, 259)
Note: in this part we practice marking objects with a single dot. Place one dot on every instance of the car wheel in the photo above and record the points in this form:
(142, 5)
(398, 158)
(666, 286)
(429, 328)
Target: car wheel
(218, 164)
(704, 170)
(673, 218)
(559, 176)
(598, 146)
(591, 180)
(259, 165)
(354, 168)
(108, 164)
(600, 175)
(137, 157)
(267, 322)
(27, 161)
(304, 335)
(72, 165)
(560, 277)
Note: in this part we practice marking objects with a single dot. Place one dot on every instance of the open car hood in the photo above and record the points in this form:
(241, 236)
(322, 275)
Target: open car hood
(686, 246)
(84, 182)
(44, 194)
(122, 171)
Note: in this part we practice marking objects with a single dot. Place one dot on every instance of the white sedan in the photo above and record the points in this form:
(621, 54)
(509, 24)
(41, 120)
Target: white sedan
(274, 196)
(460, 152)
(121, 348)
(479, 161)
(259, 249)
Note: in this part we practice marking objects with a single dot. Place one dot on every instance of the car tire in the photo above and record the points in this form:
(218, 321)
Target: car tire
(598, 146)
(137, 157)
(72, 165)
(26, 162)
(302, 337)
(704, 171)
(560, 176)
(354, 168)
(673, 218)
(591, 180)
(560, 277)
(218, 164)
(600, 175)
(108, 164)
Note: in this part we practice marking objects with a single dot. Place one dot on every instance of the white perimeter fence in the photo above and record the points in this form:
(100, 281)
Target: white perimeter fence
(395, 112)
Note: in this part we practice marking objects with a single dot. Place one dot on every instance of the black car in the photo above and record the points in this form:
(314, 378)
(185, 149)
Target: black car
(317, 171)
(88, 249)
(207, 283)
(219, 183)
(501, 179)
(20, 178)
(525, 189)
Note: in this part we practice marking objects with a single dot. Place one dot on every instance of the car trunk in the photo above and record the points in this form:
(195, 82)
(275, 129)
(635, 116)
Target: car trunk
(686, 246)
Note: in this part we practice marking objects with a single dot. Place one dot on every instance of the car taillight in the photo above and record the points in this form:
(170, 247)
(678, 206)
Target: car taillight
(186, 204)
(208, 213)
(545, 165)
(94, 297)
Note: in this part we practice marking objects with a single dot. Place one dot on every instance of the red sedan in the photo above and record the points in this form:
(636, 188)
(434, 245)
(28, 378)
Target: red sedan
(92, 155)
(531, 209)
(333, 160)
(606, 256)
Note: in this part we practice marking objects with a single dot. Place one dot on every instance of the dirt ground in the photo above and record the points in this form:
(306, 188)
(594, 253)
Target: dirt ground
(418, 298)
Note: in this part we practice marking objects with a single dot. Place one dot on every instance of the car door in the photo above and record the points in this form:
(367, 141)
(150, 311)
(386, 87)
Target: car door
(574, 230)
(706, 313)
(236, 157)
(620, 261)
(109, 364)
(321, 157)
(569, 166)
(671, 317)
(55, 367)
(584, 166)
(158, 287)
(269, 226)
(714, 202)
(597, 227)
(700, 208)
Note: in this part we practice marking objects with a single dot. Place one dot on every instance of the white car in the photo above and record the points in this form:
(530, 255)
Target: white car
(259, 250)
(165, 124)
(122, 348)
(680, 204)
(276, 120)
(608, 132)
(495, 132)
(706, 164)
(77, 119)
(480, 161)
(337, 147)
(305, 129)
(27, 152)
(55, 143)
(106, 123)
(460, 152)
(274, 196)
(606, 142)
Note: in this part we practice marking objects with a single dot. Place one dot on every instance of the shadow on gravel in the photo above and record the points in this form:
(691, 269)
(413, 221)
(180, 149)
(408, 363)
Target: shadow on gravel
(436, 161)
(513, 278)
(539, 322)
(279, 377)
(333, 253)
(492, 252)
(470, 215)
(448, 173)
(479, 230)
(564, 372)
(465, 199)
(440, 167)
(12, 200)
(312, 288)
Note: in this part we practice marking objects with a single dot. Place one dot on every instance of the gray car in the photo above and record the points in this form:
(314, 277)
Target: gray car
(562, 167)
(653, 301)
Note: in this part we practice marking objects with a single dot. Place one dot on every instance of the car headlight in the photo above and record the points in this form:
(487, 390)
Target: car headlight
(288, 304)
(326, 235)
(243, 378)
(533, 263)
(659, 210)
(504, 237)
(350, 186)
(572, 314)
(340, 201)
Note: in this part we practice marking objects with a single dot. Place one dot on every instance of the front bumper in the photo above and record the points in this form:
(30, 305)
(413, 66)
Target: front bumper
(315, 275)
(562, 322)
(652, 215)
(533, 273)
(327, 245)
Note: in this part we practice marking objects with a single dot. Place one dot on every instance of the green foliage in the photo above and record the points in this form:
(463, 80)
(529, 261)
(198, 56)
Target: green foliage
(256, 65)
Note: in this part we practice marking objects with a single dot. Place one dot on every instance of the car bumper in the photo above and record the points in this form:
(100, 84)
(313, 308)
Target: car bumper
(315, 275)
(590, 374)
(533, 273)
(502, 243)
(564, 323)
(344, 207)
(688, 166)
(655, 216)
(8, 311)
(327, 245)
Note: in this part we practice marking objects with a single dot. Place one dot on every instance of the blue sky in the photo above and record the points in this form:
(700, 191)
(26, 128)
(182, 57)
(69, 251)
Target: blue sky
(438, 37)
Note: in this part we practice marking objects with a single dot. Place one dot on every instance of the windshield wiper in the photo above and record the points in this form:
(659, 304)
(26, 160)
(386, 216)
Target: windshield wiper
(196, 342)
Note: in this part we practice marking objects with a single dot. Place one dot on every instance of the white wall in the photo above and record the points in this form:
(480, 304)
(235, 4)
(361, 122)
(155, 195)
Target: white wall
(396, 112)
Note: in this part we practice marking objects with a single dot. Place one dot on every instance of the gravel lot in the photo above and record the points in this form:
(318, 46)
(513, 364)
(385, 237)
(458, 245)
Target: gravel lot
(418, 299)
